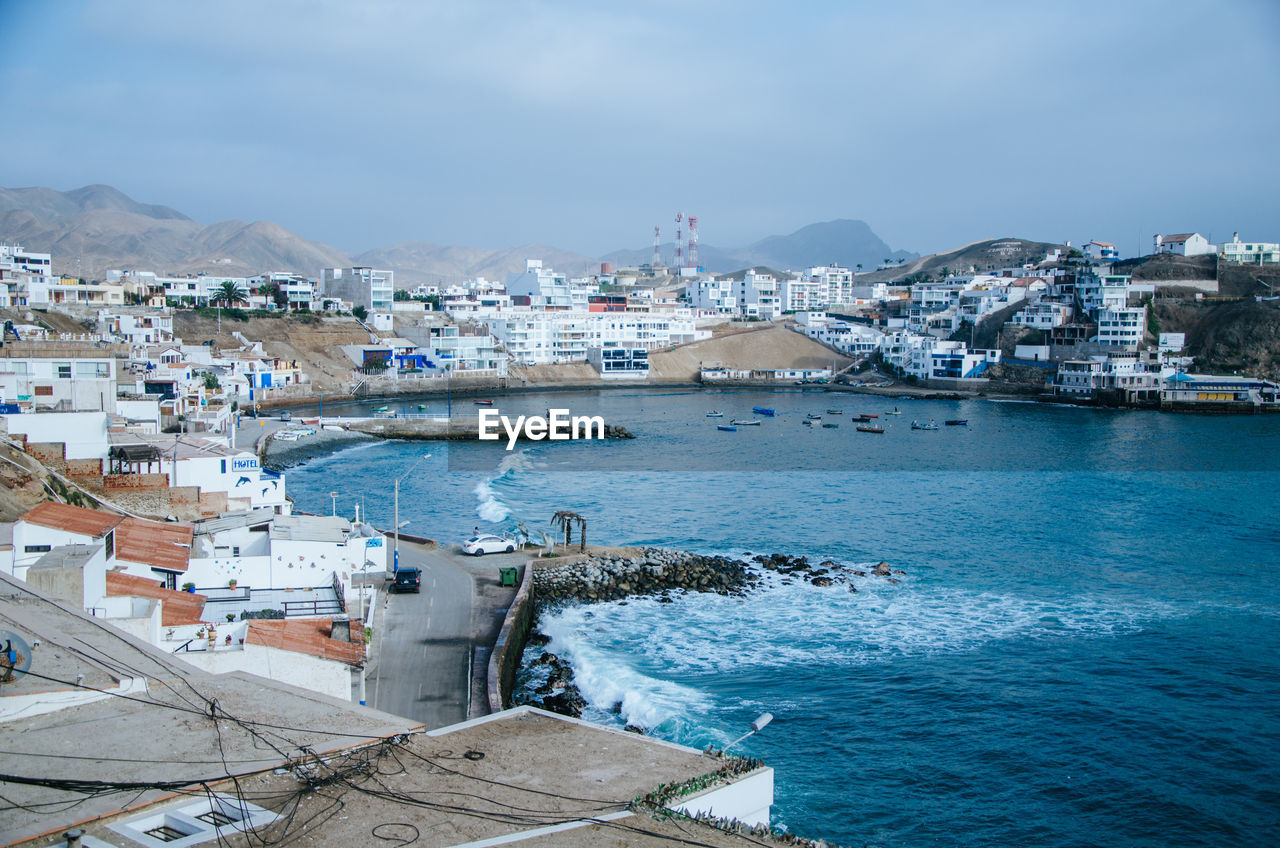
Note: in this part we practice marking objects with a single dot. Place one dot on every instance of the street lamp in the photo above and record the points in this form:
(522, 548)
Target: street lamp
(756, 726)
(395, 555)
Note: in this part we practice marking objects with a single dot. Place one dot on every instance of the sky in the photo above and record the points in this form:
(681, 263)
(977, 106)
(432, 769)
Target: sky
(584, 124)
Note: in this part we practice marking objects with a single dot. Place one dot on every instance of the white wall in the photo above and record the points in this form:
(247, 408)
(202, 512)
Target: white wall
(748, 800)
(84, 433)
(324, 676)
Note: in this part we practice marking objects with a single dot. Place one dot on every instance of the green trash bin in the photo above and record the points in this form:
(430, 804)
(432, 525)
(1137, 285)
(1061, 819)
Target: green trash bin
(508, 576)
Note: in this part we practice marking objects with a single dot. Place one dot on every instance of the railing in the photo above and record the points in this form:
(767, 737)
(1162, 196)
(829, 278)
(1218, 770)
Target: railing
(315, 607)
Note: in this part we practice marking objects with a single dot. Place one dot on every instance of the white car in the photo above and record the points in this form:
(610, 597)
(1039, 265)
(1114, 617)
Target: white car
(483, 544)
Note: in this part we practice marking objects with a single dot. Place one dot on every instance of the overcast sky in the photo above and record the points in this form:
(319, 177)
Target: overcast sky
(582, 125)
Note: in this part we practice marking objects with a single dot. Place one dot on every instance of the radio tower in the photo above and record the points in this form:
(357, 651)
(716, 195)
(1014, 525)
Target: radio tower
(657, 249)
(679, 242)
(693, 241)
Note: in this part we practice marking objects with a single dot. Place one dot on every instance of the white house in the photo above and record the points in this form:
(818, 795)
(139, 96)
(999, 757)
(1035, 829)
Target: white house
(1103, 250)
(1184, 244)
(1252, 253)
(64, 376)
(1122, 327)
(362, 286)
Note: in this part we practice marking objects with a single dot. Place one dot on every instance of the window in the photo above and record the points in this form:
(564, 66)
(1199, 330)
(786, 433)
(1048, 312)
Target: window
(64, 370)
(37, 549)
(110, 543)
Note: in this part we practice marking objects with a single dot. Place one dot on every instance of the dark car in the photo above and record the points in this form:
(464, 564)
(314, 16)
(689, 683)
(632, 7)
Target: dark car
(407, 580)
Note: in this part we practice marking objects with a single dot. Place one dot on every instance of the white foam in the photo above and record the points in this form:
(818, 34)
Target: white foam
(489, 508)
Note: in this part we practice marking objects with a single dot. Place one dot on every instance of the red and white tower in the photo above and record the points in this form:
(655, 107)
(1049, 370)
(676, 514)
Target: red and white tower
(679, 263)
(693, 241)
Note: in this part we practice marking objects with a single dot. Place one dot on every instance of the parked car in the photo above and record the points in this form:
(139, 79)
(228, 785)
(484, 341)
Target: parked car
(484, 544)
(285, 416)
(407, 580)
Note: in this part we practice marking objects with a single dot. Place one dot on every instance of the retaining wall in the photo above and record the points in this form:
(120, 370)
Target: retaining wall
(509, 648)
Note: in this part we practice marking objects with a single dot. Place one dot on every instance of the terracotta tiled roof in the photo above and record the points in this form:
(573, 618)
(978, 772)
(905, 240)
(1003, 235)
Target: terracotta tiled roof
(306, 636)
(72, 519)
(158, 544)
(176, 607)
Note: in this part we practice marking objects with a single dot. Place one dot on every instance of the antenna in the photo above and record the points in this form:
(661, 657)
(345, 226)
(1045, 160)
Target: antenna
(679, 263)
(15, 656)
(657, 248)
(693, 241)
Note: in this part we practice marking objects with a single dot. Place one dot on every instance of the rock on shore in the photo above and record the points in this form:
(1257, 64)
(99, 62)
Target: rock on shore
(653, 571)
(278, 454)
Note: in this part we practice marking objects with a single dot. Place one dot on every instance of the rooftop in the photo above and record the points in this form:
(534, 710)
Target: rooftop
(311, 528)
(176, 607)
(72, 519)
(159, 544)
(305, 636)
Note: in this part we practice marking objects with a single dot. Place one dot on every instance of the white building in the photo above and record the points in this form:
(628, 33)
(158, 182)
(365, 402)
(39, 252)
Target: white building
(1251, 253)
(1122, 327)
(710, 294)
(1044, 315)
(1103, 250)
(1184, 244)
(541, 287)
(534, 338)
(360, 286)
(137, 326)
(26, 276)
(758, 296)
(69, 377)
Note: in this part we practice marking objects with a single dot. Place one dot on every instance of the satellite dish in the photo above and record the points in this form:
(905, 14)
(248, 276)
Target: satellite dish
(15, 656)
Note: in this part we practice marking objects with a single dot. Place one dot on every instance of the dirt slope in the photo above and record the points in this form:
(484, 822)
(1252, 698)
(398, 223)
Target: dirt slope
(768, 348)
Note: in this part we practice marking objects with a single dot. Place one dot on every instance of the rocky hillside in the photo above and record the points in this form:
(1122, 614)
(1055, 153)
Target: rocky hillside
(1225, 338)
(420, 262)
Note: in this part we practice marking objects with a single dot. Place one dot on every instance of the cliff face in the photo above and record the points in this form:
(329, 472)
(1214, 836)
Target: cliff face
(1224, 338)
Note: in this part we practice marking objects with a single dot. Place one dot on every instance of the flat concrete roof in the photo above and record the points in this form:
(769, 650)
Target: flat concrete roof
(507, 778)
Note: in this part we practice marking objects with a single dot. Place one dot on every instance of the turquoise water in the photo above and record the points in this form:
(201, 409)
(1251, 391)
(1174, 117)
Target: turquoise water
(1084, 649)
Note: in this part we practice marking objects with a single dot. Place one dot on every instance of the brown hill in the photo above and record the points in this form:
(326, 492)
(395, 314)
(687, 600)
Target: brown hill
(981, 256)
(421, 262)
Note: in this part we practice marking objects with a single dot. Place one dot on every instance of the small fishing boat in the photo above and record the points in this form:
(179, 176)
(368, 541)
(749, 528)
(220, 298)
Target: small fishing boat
(916, 425)
(483, 403)
(806, 422)
(812, 417)
(745, 423)
(829, 425)
(869, 428)
(895, 412)
(379, 409)
(762, 410)
(835, 412)
(715, 413)
(726, 428)
(865, 417)
(957, 422)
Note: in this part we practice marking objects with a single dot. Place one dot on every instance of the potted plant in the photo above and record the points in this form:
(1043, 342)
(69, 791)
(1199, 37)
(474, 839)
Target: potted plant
(231, 584)
(189, 587)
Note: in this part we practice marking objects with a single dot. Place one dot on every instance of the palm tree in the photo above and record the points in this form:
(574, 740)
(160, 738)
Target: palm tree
(229, 292)
(565, 520)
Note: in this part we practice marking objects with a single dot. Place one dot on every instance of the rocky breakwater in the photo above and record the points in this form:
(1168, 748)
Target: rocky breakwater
(653, 572)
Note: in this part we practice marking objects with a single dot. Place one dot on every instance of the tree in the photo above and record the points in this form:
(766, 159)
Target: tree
(401, 295)
(360, 312)
(565, 520)
(277, 295)
(228, 292)
(859, 266)
(210, 380)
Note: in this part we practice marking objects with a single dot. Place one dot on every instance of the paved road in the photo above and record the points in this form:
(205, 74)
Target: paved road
(424, 644)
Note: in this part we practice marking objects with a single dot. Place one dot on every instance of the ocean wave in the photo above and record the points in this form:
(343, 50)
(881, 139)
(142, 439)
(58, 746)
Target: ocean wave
(490, 508)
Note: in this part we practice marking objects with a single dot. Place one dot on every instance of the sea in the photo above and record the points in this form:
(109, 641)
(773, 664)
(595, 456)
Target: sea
(1083, 649)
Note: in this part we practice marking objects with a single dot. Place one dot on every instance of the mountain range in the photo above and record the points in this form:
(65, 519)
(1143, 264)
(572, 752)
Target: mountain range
(97, 228)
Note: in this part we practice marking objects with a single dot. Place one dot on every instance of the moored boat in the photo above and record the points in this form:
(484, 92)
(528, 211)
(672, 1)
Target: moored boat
(726, 428)
(894, 412)
(835, 412)
(762, 410)
(812, 417)
(957, 422)
(745, 423)
(829, 425)
(715, 413)
(916, 425)
(483, 403)
(869, 428)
